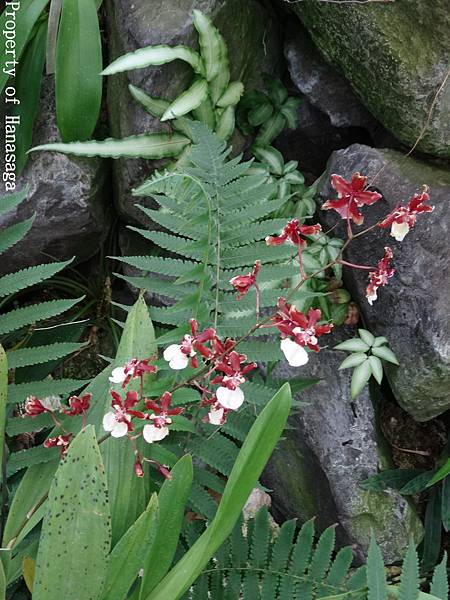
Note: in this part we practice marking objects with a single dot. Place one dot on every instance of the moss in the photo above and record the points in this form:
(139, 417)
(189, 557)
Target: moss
(395, 55)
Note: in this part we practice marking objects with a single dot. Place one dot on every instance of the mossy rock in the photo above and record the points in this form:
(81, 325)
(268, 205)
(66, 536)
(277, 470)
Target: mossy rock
(396, 55)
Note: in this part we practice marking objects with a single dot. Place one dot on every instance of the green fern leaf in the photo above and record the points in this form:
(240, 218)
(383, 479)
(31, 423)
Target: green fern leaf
(27, 458)
(20, 317)
(259, 550)
(10, 201)
(340, 567)
(14, 282)
(218, 452)
(201, 502)
(409, 582)
(16, 425)
(376, 577)
(439, 583)
(26, 357)
(13, 234)
(251, 590)
(19, 392)
(321, 558)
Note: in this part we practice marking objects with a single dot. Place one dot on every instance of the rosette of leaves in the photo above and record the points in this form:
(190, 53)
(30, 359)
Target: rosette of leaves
(270, 113)
(367, 354)
(211, 99)
(271, 165)
(65, 34)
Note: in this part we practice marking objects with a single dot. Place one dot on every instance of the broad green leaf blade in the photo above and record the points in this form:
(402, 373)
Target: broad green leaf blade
(391, 478)
(409, 582)
(210, 47)
(26, 18)
(28, 89)
(130, 553)
(3, 392)
(445, 510)
(439, 583)
(354, 360)
(19, 280)
(15, 233)
(187, 101)
(270, 156)
(78, 82)
(172, 500)
(353, 345)
(251, 460)
(20, 317)
(433, 529)
(54, 15)
(385, 353)
(367, 337)
(232, 94)
(440, 474)
(10, 201)
(148, 145)
(25, 357)
(219, 84)
(226, 123)
(361, 376)
(76, 533)
(154, 56)
(377, 368)
(376, 577)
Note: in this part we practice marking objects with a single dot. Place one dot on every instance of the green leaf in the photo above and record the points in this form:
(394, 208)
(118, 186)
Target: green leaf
(3, 392)
(210, 44)
(385, 354)
(417, 484)
(187, 101)
(439, 583)
(153, 56)
(445, 509)
(26, 18)
(409, 582)
(366, 336)
(130, 553)
(219, 84)
(147, 145)
(18, 392)
(15, 233)
(433, 529)
(391, 478)
(232, 94)
(440, 473)
(271, 156)
(252, 458)
(376, 578)
(25, 357)
(35, 455)
(353, 345)
(361, 376)
(270, 130)
(19, 280)
(172, 500)
(379, 341)
(78, 503)
(28, 89)
(226, 123)
(78, 83)
(377, 368)
(10, 201)
(354, 360)
(15, 319)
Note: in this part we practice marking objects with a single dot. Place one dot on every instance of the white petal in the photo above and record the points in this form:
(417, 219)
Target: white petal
(399, 231)
(231, 399)
(109, 421)
(215, 416)
(295, 354)
(154, 434)
(119, 430)
(371, 299)
(177, 359)
(117, 375)
(171, 351)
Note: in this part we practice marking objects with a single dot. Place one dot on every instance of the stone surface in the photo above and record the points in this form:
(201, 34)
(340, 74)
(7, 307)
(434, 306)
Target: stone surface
(396, 55)
(329, 449)
(413, 311)
(323, 85)
(68, 195)
(249, 29)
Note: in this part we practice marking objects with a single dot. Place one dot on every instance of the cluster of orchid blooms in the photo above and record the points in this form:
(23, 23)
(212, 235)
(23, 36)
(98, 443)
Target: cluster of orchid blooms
(223, 369)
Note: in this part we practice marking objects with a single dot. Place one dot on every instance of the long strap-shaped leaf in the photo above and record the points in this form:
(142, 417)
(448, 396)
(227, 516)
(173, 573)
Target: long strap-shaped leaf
(252, 458)
(155, 55)
(149, 145)
(3, 391)
(78, 66)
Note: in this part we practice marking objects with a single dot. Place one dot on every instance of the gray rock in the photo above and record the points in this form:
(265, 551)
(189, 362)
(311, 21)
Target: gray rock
(328, 450)
(254, 48)
(68, 196)
(323, 85)
(396, 56)
(413, 310)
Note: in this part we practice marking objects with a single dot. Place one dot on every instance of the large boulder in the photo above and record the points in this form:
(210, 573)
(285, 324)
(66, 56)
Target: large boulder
(413, 310)
(249, 29)
(329, 448)
(396, 55)
(68, 195)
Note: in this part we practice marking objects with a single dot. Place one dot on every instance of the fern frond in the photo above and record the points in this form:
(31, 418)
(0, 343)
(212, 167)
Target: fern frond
(20, 317)
(16, 425)
(14, 282)
(439, 583)
(19, 392)
(11, 201)
(13, 234)
(36, 355)
(27, 458)
(409, 582)
(218, 452)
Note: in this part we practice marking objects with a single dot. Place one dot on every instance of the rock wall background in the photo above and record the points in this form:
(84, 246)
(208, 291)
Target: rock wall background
(367, 75)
